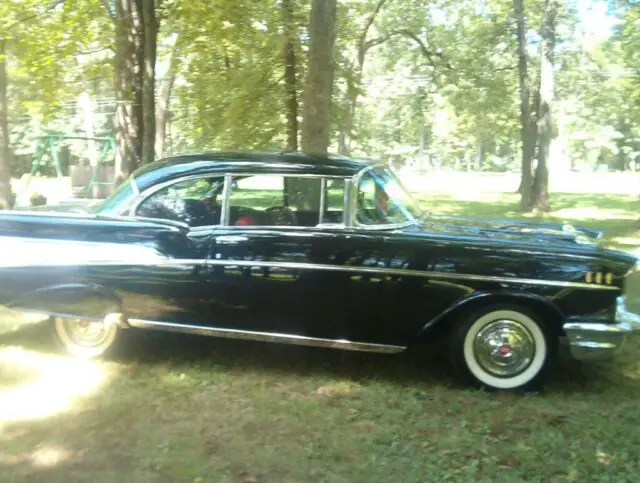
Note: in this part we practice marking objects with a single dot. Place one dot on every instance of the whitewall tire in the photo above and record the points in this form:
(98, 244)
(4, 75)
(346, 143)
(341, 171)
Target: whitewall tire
(503, 348)
(85, 338)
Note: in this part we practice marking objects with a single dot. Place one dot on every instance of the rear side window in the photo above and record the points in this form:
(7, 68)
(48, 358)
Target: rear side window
(274, 200)
(197, 202)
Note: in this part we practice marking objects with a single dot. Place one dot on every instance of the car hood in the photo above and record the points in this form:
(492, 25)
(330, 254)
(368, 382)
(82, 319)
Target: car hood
(508, 230)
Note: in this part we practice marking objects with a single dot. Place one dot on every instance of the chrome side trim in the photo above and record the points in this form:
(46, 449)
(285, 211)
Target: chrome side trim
(267, 337)
(149, 257)
(407, 273)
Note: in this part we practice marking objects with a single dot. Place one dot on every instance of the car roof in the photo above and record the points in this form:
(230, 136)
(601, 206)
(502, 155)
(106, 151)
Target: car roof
(255, 162)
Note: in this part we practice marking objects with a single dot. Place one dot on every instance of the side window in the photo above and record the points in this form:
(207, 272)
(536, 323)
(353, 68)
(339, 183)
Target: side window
(334, 201)
(267, 200)
(197, 202)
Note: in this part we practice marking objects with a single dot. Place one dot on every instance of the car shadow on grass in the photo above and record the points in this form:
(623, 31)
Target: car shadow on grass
(418, 366)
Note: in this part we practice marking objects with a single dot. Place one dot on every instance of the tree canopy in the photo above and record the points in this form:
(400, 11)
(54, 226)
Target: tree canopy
(433, 82)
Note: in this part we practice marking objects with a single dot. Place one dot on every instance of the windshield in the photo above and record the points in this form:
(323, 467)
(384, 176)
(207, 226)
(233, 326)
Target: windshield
(119, 201)
(383, 200)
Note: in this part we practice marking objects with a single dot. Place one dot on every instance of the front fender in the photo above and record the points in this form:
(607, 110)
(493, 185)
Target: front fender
(87, 301)
(539, 305)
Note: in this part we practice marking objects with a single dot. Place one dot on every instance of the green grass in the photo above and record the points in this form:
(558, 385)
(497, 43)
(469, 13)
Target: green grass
(194, 409)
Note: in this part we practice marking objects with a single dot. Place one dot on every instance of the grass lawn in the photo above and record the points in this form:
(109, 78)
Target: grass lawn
(194, 409)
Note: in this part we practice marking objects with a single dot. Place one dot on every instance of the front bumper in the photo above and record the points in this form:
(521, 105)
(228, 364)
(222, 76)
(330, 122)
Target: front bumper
(596, 341)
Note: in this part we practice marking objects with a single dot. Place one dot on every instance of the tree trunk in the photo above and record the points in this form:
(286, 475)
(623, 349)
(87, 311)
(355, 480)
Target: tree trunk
(150, 35)
(479, 154)
(128, 88)
(527, 121)
(545, 116)
(6, 195)
(290, 75)
(316, 112)
(136, 33)
(346, 133)
(163, 103)
(317, 96)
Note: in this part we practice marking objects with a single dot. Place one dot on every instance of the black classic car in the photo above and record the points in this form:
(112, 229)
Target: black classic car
(321, 251)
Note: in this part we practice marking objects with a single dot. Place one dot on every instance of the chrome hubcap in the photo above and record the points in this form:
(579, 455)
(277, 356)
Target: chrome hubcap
(85, 332)
(504, 348)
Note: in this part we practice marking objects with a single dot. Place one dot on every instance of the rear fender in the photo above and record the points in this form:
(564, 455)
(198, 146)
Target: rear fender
(86, 301)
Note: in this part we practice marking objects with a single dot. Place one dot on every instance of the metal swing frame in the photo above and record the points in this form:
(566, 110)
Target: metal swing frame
(50, 142)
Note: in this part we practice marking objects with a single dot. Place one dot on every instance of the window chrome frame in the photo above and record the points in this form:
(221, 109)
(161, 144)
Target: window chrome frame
(228, 178)
(354, 223)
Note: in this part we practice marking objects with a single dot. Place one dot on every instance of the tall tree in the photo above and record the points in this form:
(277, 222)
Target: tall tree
(540, 201)
(527, 111)
(291, 102)
(316, 113)
(362, 47)
(149, 49)
(136, 33)
(6, 198)
(164, 98)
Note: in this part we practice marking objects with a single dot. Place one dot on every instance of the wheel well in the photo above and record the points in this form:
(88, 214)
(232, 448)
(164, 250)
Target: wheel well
(442, 325)
(70, 300)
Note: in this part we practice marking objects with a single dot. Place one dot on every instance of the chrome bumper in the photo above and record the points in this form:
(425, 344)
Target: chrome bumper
(595, 341)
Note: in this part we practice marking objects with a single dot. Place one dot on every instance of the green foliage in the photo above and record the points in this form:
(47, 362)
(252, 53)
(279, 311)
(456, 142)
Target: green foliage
(439, 83)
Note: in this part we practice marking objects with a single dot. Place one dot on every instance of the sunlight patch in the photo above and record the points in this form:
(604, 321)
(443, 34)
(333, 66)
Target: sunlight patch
(46, 457)
(631, 371)
(593, 213)
(11, 320)
(56, 384)
(341, 388)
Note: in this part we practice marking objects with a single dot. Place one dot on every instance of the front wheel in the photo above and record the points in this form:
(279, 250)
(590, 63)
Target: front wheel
(85, 338)
(503, 348)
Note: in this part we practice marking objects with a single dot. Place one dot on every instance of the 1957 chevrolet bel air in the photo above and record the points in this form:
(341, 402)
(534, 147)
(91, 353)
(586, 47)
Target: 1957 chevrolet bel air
(322, 251)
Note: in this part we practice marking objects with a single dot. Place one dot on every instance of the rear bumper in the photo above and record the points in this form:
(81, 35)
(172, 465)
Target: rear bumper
(597, 341)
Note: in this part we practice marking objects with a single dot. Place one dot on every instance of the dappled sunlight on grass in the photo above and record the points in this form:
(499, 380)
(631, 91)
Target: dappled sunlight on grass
(46, 385)
(46, 457)
(593, 213)
(339, 388)
(11, 321)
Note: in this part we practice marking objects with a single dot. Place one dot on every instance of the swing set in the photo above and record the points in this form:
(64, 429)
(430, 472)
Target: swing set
(50, 144)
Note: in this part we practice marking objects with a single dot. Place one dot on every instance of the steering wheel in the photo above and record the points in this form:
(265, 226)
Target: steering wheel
(281, 215)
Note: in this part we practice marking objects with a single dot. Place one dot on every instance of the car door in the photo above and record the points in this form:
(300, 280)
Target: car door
(258, 282)
(265, 275)
(175, 292)
(373, 301)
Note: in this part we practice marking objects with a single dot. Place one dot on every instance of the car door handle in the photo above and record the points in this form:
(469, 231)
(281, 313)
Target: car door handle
(231, 239)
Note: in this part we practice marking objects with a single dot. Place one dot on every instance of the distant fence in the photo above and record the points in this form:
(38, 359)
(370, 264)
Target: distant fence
(627, 183)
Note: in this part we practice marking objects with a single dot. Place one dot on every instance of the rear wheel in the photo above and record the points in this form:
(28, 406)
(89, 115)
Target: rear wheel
(503, 348)
(85, 338)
